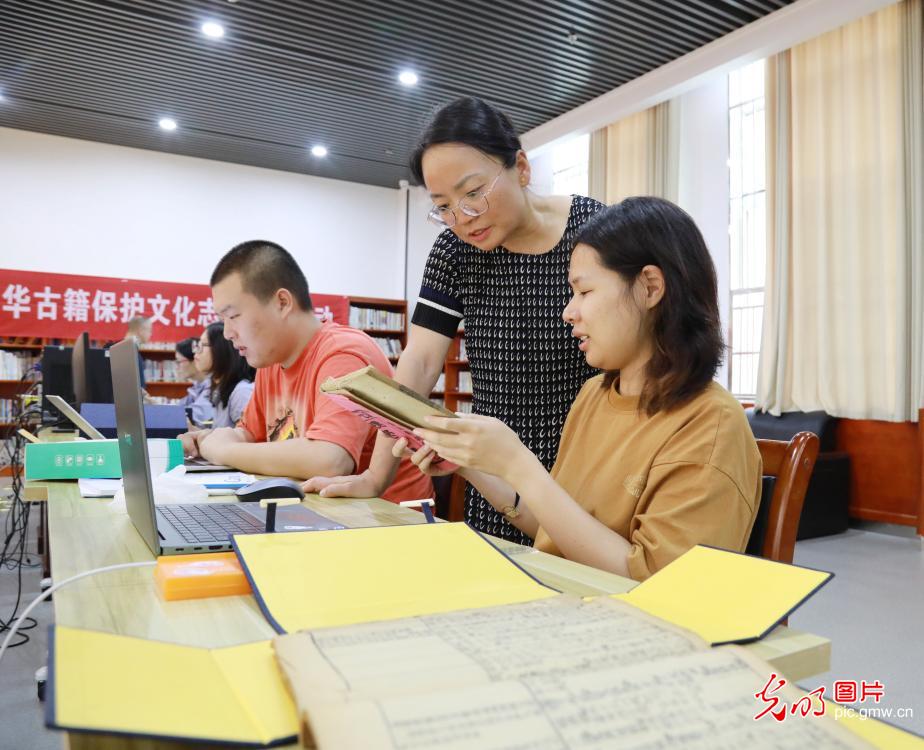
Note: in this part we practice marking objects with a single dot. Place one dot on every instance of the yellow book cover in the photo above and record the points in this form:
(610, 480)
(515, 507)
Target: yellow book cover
(113, 684)
(320, 579)
(725, 597)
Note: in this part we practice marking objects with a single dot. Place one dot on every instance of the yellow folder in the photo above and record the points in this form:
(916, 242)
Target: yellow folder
(320, 579)
(725, 597)
(99, 682)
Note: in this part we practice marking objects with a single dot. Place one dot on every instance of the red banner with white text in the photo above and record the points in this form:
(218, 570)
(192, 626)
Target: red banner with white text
(62, 306)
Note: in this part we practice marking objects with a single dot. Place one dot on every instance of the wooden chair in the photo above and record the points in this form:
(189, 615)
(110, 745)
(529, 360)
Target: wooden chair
(790, 466)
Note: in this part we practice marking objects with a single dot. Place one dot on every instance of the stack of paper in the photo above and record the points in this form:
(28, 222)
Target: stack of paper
(217, 483)
(556, 673)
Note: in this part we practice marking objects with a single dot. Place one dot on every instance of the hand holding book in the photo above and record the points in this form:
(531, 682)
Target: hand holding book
(385, 404)
(478, 442)
(424, 458)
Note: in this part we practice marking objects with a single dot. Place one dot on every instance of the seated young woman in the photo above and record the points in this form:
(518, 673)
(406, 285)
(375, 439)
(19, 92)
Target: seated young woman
(655, 456)
(231, 377)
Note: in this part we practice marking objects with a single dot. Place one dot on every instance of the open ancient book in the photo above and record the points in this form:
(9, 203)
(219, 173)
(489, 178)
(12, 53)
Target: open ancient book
(559, 672)
(385, 404)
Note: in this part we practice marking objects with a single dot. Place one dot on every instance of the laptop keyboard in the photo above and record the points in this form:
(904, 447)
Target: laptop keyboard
(209, 522)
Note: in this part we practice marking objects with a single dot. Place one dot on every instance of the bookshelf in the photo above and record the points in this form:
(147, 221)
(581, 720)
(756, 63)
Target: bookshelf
(162, 382)
(385, 320)
(160, 371)
(457, 376)
(17, 375)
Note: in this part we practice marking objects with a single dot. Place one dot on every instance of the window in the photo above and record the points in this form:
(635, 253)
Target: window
(569, 166)
(747, 231)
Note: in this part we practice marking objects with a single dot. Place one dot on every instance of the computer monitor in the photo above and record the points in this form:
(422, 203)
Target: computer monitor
(92, 373)
(56, 379)
(79, 367)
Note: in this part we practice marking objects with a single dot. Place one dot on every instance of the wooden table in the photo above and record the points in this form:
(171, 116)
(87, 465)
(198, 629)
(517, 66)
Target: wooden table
(86, 533)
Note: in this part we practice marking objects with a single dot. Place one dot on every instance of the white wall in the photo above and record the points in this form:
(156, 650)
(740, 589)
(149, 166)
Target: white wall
(72, 206)
(420, 236)
(703, 184)
(541, 172)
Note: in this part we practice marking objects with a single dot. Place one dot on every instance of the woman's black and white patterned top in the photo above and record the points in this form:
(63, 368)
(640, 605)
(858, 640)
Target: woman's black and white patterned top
(525, 364)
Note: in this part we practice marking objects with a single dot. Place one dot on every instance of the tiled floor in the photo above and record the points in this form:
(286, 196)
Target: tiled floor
(873, 612)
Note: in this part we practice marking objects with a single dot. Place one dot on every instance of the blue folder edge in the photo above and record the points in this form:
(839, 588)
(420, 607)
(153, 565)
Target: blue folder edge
(51, 706)
(279, 629)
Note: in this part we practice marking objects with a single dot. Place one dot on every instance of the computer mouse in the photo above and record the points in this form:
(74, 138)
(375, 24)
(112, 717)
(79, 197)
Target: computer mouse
(275, 487)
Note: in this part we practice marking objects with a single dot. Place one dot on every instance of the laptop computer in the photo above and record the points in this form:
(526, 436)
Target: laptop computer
(188, 528)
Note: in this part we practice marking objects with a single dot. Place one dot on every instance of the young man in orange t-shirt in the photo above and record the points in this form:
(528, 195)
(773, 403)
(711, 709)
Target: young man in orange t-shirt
(290, 428)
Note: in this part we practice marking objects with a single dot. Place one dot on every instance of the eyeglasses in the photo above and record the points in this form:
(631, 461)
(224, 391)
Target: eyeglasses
(198, 346)
(474, 203)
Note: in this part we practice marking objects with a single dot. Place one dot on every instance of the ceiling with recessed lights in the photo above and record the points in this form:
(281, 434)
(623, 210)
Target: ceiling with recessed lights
(271, 83)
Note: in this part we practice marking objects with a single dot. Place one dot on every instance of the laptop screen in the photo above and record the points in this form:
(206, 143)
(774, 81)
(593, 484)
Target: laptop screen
(133, 447)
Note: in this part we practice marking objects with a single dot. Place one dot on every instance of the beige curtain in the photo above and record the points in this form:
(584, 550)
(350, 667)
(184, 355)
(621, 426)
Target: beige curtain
(844, 240)
(596, 166)
(642, 154)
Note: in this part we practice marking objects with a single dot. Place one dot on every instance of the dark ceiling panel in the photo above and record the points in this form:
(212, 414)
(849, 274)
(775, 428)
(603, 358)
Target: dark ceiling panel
(289, 74)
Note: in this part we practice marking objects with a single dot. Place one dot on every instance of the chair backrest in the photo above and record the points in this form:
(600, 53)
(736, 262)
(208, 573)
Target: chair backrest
(790, 465)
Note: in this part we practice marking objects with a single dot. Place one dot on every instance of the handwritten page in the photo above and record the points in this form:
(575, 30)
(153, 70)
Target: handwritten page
(553, 673)
(703, 700)
(550, 636)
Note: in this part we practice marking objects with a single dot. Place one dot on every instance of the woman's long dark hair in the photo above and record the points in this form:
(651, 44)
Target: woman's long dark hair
(685, 326)
(185, 348)
(228, 367)
(474, 123)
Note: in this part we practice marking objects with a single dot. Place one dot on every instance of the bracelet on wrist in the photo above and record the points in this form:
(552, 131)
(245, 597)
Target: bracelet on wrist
(512, 511)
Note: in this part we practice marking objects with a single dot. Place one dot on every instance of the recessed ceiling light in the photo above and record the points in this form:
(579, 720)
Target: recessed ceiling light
(408, 77)
(167, 123)
(213, 29)
(318, 151)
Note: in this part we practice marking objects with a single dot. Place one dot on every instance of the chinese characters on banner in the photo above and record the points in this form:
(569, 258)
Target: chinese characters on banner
(63, 306)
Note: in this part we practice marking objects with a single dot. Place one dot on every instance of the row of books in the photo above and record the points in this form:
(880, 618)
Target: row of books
(8, 408)
(389, 347)
(13, 365)
(376, 320)
(465, 382)
(163, 400)
(163, 370)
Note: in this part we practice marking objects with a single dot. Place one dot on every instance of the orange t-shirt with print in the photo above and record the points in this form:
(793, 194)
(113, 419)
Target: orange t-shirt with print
(287, 403)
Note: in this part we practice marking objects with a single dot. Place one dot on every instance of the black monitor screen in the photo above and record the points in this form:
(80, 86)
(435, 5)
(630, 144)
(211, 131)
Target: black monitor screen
(99, 377)
(92, 373)
(79, 368)
(56, 377)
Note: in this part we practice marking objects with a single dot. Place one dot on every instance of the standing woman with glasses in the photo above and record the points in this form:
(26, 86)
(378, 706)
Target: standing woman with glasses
(232, 378)
(501, 267)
